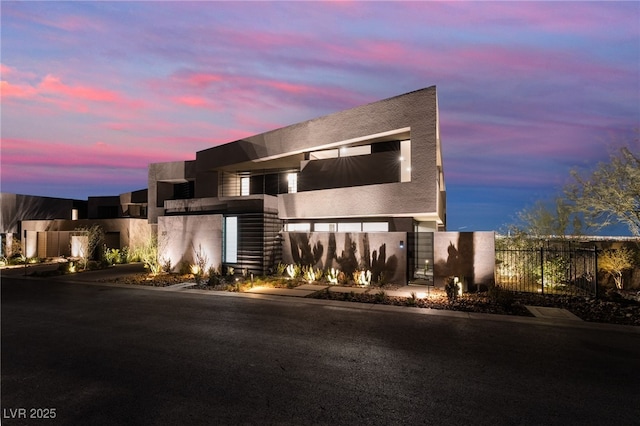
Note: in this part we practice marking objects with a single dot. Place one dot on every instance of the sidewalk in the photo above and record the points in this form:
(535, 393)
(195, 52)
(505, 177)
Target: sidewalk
(308, 289)
(541, 315)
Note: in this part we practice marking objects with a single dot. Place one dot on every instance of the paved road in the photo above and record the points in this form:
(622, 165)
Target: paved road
(103, 355)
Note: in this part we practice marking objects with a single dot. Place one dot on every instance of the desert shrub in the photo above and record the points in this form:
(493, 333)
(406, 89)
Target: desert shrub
(280, 269)
(148, 255)
(124, 255)
(332, 276)
(380, 297)
(199, 269)
(166, 265)
(214, 276)
(311, 274)
(452, 288)
(110, 256)
(412, 300)
(293, 270)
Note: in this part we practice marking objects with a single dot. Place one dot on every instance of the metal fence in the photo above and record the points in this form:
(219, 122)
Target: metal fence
(557, 270)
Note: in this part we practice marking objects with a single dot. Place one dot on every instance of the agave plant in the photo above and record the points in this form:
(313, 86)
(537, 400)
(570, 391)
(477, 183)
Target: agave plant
(363, 277)
(332, 275)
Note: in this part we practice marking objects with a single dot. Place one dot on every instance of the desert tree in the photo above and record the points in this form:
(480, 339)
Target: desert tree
(93, 237)
(614, 262)
(543, 219)
(610, 194)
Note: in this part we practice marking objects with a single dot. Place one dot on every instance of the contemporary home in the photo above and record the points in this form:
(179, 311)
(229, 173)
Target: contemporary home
(45, 226)
(358, 189)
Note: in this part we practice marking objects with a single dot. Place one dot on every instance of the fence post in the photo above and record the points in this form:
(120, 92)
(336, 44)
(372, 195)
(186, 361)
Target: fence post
(595, 274)
(542, 270)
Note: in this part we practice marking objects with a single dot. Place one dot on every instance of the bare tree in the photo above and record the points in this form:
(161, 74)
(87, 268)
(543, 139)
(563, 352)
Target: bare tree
(611, 193)
(93, 237)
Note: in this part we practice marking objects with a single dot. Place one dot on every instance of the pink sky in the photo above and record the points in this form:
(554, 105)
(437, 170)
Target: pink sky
(92, 92)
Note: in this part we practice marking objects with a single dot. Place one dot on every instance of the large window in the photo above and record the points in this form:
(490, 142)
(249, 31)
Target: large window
(244, 185)
(292, 183)
(352, 227)
(325, 227)
(298, 227)
(405, 161)
(375, 226)
(231, 239)
(349, 226)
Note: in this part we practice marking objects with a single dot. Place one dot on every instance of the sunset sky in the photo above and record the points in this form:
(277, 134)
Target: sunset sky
(92, 92)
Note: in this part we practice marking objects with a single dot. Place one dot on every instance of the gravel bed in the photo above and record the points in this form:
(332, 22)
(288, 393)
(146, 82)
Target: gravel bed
(611, 308)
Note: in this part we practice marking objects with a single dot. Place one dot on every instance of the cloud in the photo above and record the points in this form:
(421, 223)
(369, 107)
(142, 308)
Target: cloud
(62, 155)
(50, 95)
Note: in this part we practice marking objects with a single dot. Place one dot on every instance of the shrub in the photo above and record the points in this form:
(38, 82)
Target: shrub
(166, 265)
(214, 276)
(111, 256)
(362, 277)
(148, 255)
(412, 300)
(280, 269)
(332, 276)
(452, 288)
(293, 270)
(311, 274)
(380, 297)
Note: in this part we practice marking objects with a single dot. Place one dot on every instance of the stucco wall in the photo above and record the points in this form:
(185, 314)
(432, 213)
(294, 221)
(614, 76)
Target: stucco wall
(180, 237)
(175, 171)
(468, 255)
(132, 233)
(379, 252)
(16, 207)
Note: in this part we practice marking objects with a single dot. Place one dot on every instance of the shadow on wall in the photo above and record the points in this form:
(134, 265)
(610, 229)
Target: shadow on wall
(386, 265)
(470, 256)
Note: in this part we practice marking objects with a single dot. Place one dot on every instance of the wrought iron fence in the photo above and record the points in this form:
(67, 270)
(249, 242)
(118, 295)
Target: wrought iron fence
(557, 270)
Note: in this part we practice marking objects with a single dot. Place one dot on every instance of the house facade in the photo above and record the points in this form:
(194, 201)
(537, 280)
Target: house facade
(358, 189)
(44, 226)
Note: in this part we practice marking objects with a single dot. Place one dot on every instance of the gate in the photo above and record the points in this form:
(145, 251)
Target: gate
(548, 270)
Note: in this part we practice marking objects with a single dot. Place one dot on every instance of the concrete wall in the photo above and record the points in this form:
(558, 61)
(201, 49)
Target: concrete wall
(41, 234)
(15, 208)
(470, 256)
(162, 176)
(180, 237)
(380, 252)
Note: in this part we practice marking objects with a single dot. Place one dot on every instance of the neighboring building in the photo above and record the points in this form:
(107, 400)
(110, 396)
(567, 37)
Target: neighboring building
(16, 208)
(44, 225)
(369, 179)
